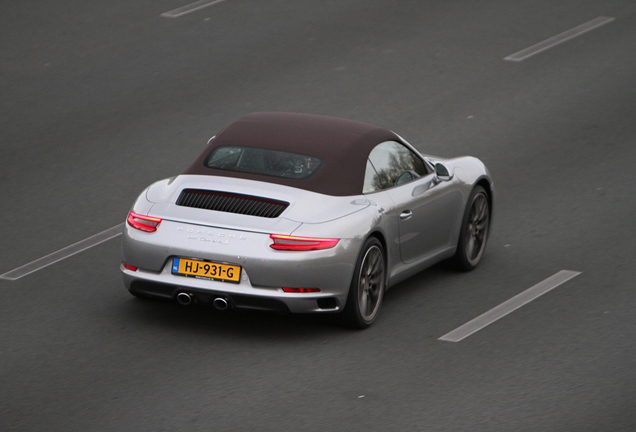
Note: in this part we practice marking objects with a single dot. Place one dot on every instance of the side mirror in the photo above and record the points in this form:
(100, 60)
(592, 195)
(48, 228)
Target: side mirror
(441, 173)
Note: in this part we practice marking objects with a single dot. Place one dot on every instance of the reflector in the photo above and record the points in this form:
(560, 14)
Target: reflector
(128, 266)
(301, 290)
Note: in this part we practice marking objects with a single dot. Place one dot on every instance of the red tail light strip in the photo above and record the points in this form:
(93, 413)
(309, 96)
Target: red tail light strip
(295, 243)
(144, 223)
(301, 290)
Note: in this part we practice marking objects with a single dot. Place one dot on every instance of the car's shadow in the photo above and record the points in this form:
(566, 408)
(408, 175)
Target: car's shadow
(428, 277)
(205, 319)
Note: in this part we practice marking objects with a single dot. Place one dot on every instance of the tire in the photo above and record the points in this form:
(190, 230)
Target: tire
(474, 231)
(367, 286)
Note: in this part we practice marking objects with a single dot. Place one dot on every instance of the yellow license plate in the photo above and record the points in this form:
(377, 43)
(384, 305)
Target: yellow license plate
(206, 270)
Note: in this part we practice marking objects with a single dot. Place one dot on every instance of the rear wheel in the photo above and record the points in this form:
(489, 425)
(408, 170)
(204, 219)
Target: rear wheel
(474, 230)
(367, 287)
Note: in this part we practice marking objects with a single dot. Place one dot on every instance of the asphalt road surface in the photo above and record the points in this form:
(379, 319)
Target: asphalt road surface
(99, 99)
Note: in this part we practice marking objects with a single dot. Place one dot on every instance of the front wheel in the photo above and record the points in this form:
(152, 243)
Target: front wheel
(367, 287)
(474, 230)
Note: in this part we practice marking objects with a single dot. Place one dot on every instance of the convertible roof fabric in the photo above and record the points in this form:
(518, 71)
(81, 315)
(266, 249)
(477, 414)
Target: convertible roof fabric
(343, 145)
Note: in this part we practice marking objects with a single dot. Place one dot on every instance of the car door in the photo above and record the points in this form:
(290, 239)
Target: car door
(425, 206)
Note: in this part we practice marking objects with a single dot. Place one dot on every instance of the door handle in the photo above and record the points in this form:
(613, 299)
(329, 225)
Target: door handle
(406, 214)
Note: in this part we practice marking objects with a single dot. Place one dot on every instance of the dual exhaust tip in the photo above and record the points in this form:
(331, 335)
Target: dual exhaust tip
(186, 299)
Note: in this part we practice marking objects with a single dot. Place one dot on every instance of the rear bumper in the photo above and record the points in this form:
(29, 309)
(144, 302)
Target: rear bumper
(264, 271)
(243, 295)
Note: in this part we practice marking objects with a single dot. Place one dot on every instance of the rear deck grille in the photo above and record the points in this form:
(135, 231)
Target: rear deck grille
(231, 203)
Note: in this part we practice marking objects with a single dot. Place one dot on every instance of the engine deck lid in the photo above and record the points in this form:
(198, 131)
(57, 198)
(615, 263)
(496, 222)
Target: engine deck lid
(300, 206)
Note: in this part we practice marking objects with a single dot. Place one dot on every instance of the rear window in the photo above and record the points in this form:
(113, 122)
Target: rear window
(268, 162)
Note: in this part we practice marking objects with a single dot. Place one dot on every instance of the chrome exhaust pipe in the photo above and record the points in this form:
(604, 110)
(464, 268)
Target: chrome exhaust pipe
(220, 303)
(184, 298)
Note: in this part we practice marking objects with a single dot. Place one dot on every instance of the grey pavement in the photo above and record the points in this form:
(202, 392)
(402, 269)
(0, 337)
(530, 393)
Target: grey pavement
(99, 99)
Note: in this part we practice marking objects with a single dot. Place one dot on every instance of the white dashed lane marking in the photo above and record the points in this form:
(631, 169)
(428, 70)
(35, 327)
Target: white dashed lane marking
(509, 306)
(68, 251)
(558, 39)
(192, 7)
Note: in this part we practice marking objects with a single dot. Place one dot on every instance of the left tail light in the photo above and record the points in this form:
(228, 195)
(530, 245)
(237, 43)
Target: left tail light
(144, 223)
(295, 243)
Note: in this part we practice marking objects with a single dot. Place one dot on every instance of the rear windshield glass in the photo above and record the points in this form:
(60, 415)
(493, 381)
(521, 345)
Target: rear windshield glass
(263, 161)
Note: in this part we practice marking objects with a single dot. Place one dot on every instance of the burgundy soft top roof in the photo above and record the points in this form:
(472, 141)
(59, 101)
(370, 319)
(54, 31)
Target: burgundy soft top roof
(344, 145)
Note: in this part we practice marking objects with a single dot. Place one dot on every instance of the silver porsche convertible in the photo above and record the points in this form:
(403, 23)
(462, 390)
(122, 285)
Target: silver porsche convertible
(304, 213)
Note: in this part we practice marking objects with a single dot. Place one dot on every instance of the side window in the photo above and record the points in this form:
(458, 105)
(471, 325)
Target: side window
(369, 179)
(391, 164)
